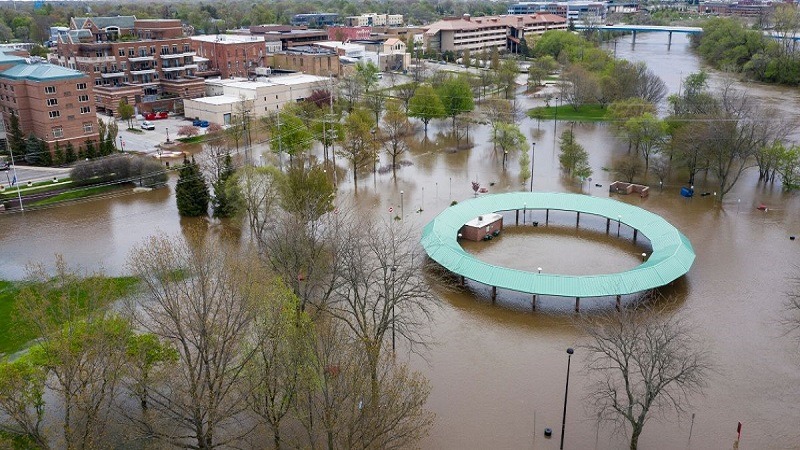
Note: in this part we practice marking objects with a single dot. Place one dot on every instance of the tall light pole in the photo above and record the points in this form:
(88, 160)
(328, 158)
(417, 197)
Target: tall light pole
(402, 214)
(570, 351)
(533, 153)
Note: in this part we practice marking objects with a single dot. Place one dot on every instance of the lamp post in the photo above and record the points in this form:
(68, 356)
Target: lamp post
(402, 214)
(121, 144)
(539, 269)
(570, 351)
(167, 134)
(533, 153)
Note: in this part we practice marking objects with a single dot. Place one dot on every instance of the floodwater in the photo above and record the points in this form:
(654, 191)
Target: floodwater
(498, 371)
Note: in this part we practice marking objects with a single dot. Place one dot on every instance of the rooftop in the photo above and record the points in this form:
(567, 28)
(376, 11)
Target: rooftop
(103, 22)
(672, 255)
(229, 38)
(217, 100)
(40, 71)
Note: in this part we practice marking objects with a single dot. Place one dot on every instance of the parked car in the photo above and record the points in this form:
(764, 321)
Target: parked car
(203, 124)
(156, 115)
(148, 125)
(200, 123)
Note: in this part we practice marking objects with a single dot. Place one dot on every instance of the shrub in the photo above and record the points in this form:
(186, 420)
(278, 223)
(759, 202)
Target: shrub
(119, 168)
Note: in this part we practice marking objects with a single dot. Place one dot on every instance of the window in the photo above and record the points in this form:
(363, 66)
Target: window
(83, 98)
(86, 109)
(58, 132)
(131, 51)
(52, 102)
(122, 52)
(47, 89)
(54, 114)
(87, 127)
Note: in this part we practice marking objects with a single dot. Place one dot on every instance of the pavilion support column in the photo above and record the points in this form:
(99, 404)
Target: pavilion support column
(633, 42)
(462, 280)
(578, 219)
(517, 217)
(608, 225)
(494, 294)
(577, 304)
(546, 216)
(635, 232)
(619, 302)
(533, 303)
(669, 42)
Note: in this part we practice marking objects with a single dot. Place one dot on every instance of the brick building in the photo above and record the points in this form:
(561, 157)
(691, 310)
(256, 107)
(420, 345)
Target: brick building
(232, 55)
(52, 102)
(309, 60)
(149, 63)
(348, 33)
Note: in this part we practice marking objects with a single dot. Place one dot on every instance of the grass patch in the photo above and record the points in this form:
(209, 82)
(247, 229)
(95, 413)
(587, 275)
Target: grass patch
(14, 337)
(193, 139)
(38, 188)
(135, 130)
(77, 194)
(585, 113)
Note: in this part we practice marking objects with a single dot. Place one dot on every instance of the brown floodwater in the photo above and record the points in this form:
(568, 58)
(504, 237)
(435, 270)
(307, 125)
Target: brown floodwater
(497, 371)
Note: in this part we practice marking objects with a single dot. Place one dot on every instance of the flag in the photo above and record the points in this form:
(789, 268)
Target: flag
(14, 181)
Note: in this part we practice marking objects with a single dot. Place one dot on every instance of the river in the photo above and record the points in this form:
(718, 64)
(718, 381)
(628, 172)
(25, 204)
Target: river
(498, 371)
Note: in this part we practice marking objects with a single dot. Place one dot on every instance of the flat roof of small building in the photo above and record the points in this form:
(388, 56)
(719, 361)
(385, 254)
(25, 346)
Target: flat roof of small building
(229, 38)
(215, 100)
(483, 220)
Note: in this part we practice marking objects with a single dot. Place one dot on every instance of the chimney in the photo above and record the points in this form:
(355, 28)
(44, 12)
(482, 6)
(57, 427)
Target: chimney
(467, 17)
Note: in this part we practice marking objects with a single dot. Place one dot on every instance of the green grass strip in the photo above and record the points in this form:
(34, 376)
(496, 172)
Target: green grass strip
(77, 194)
(585, 113)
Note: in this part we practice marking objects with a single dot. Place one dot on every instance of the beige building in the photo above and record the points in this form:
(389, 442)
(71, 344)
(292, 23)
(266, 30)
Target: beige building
(374, 20)
(227, 97)
(479, 33)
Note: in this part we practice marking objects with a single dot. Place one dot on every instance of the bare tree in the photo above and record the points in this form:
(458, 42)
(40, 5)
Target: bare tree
(643, 362)
(396, 128)
(199, 300)
(381, 293)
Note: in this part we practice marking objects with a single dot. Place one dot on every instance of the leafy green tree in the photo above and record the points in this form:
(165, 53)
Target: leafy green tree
(425, 105)
(648, 133)
(509, 139)
(125, 111)
(290, 135)
(573, 158)
(788, 165)
(367, 74)
(38, 50)
(507, 77)
(91, 152)
(307, 193)
(359, 145)
(191, 191)
(466, 58)
(395, 129)
(456, 97)
(146, 356)
(22, 386)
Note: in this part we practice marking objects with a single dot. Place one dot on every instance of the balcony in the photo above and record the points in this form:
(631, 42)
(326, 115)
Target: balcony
(141, 58)
(95, 59)
(177, 55)
(190, 66)
(117, 74)
(174, 69)
(143, 71)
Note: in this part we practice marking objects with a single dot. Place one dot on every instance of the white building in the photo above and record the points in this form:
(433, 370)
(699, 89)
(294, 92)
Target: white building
(227, 97)
(374, 20)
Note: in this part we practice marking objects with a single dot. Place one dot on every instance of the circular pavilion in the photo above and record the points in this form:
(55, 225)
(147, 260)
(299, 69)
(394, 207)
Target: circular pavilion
(672, 255)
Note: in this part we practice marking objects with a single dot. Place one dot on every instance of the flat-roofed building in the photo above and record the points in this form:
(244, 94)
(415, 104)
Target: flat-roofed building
(315, 20)
(310, 60)
(266, 96)
(52, 102)
(485, 33)
(232, 55)
(374, 20)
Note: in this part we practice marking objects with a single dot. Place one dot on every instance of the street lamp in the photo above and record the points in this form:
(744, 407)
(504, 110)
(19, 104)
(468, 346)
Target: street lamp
(402, 214)
(167, 135)
(570, 351)
(121, 144)
(539, 269)
(533, 153)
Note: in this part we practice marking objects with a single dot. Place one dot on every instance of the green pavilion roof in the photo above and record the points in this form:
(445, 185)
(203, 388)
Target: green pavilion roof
(672, 255)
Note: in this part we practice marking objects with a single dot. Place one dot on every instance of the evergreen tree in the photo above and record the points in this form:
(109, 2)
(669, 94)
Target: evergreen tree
(224, 202)
(45, 158)
(58, 157)
(91, 153)
(524, 50)
(191, 191)
(69, 154)
(15, 138)
(33, 151)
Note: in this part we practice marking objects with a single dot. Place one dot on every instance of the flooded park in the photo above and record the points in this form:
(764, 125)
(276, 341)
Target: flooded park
(498, 370)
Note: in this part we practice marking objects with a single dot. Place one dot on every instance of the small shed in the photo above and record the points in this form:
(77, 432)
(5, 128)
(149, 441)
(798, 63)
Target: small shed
(480, 227)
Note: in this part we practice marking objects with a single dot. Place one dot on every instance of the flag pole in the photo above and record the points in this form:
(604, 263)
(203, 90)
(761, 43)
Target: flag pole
(16, 180)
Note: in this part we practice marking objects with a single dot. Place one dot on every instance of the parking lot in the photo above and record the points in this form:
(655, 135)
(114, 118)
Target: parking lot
(146, 140)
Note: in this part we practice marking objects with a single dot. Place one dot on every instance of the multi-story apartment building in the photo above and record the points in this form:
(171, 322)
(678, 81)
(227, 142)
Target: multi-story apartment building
(374, 20)
(485, 33)
(230, 55)
(52, 102)
(149, 63)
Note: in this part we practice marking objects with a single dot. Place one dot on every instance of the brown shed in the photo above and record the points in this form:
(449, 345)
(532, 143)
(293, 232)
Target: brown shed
(477, 228)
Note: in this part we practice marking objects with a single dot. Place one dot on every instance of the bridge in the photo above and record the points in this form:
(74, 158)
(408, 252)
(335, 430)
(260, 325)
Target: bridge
(642, 29)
